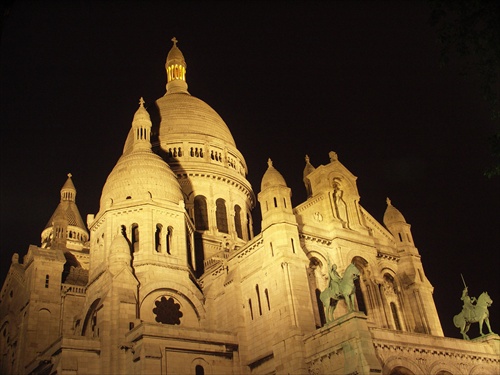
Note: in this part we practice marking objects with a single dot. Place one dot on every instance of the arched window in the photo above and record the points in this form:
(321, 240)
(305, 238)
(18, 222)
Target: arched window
(267, 299)
(168, 239)
(135, 237)
(360, 264)
(199, 370)
(237, 221)
(200, 213)
(158, 238)
(221, 215)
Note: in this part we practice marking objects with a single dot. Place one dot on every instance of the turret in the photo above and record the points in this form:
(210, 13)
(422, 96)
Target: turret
(176, 70)
(275, 198)
(417, 287)
(399, 228)
(65, 227)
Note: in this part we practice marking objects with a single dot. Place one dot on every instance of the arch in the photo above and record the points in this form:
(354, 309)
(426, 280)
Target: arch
(401, 370)
(313, 273)
(362, 265)
(199, 370)
(200, 213)
(185, 296)
(483, 370)
(391, 300)
(91, 318)
(441, 368)
(345, 182)
(396, 365)
(201, 366)
(221, 215)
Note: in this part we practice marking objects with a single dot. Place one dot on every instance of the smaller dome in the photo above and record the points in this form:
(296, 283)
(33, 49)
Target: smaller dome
(142, 114)
(175, 55)
(392, 215)
(272, 177)
(140, 174)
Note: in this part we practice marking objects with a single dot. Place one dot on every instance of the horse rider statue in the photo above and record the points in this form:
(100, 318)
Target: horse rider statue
(473, 311)
(469, 309)
(335, 280)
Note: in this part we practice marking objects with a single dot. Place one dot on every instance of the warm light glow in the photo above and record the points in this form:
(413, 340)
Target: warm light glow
(175, 72)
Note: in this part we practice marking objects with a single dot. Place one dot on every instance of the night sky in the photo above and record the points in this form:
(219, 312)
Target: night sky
(361, 78)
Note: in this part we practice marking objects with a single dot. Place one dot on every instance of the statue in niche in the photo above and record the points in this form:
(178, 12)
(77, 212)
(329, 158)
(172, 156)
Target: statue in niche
(388, 285)
(339, 288)
(471, 313)
(338, 201)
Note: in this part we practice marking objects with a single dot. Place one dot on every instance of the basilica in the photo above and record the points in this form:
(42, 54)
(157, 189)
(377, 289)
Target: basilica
(168, 277)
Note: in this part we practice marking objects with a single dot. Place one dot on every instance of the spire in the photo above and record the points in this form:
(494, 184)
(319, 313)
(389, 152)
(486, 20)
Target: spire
(176, 70)
(68, 191)
(141, 128)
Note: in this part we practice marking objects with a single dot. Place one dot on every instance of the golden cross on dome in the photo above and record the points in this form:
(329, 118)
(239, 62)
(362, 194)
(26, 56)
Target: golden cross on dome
(174, 39)
(70, 175)
(141, 102)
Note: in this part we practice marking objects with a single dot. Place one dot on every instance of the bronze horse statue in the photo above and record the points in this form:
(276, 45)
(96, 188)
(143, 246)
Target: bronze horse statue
(344, 289)
(475, 314)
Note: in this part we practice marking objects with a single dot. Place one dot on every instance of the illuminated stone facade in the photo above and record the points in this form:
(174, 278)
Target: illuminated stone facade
(169, 278)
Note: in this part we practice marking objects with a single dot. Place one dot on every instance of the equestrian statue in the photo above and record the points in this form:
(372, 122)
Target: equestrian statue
(471, 313)
(339, 288)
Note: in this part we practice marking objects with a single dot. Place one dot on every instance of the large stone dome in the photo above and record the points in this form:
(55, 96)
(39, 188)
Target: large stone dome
(182, 113)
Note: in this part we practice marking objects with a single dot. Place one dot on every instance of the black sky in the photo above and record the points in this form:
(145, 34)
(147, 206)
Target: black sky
(361, 78)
